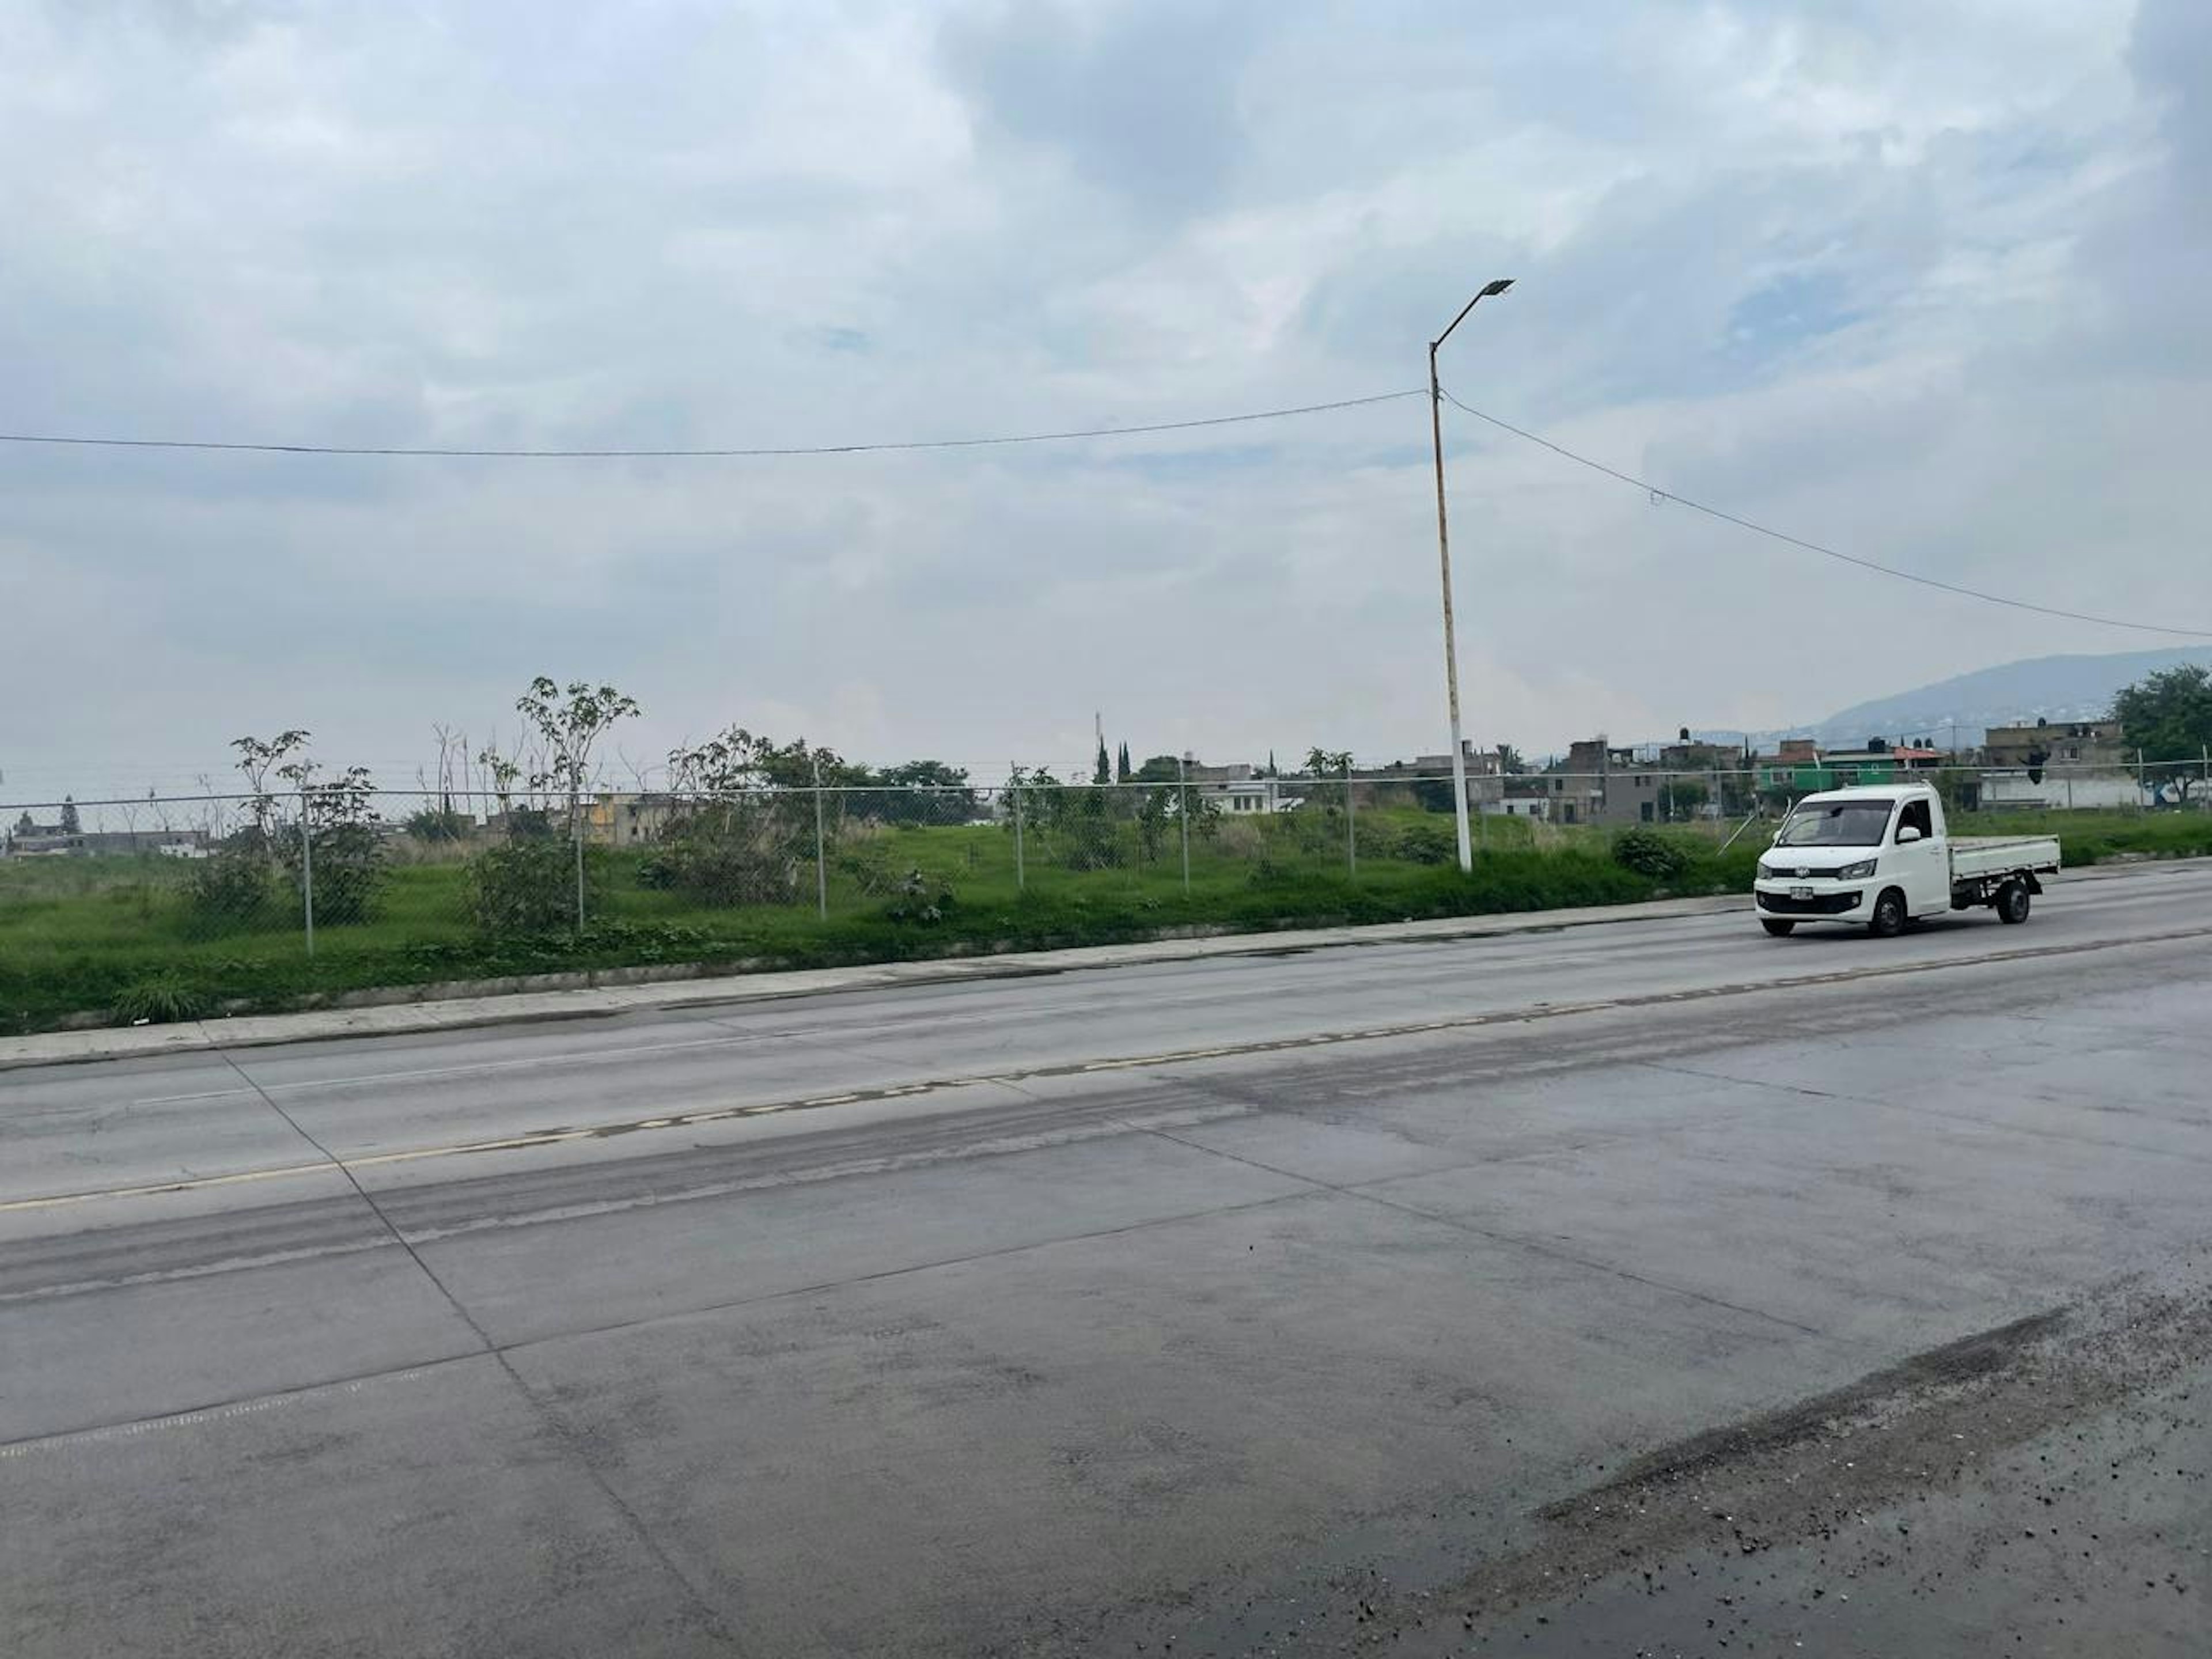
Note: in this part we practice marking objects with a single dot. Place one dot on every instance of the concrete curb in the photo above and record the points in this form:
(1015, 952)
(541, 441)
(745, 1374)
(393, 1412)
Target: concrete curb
(586, 1002)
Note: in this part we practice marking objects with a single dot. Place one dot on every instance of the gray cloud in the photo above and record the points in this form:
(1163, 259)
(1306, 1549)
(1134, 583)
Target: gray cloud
(1140, 100)
(1922, 281)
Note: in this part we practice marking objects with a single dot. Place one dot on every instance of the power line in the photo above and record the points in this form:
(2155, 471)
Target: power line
(758, 452)
(1658, 495)
(1071, 434)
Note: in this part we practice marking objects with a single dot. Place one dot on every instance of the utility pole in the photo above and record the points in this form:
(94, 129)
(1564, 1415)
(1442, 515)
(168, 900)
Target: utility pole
(821, 859)
(1183, 816)
(1443, 563)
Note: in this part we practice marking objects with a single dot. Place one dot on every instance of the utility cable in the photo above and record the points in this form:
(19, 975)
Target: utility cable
(765, 452)
(1658, 495)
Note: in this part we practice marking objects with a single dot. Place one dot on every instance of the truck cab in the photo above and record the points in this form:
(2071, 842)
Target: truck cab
(1882, 858)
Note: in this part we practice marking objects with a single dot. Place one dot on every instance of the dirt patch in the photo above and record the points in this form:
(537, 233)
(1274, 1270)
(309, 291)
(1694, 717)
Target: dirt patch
(1805, 1473)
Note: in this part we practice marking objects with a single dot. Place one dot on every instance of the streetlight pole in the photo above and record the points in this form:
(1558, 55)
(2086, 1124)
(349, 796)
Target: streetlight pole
(1443, 563)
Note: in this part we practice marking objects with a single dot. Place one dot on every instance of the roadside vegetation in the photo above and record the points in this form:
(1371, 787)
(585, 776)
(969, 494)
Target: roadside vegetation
(129, 938)
(132, 938)
(913, 862)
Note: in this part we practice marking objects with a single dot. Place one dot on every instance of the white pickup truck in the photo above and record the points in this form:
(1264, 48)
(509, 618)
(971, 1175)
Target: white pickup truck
(1879, 858)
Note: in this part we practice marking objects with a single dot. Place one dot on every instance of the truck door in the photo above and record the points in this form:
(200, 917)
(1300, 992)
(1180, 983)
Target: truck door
(1921, 860)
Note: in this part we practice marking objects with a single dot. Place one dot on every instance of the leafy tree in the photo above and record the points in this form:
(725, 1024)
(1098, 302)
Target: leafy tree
(746, 825)
(2168, 717)
(1510, 761)
(915, 792)
(1065, 822)
(349, 875)
(571, 723)
(1681, 797)
(320, 831)
(258, 760)
(1102, 770)
(530, 883)
(1159, 768)
(504, 774)
(69, 823)
(1122, 773)
(1328, 768)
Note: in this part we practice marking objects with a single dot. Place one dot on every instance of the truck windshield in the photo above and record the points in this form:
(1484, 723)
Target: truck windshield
(1844, 824)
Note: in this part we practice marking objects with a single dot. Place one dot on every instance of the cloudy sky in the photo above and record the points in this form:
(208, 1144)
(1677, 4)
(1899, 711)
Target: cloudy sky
(1920, 280)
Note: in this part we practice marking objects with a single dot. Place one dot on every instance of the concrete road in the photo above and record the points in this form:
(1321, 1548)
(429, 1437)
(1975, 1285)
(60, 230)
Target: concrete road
(1469, 1296)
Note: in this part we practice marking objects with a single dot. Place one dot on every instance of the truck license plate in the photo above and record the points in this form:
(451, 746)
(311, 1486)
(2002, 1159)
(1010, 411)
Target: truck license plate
(1800, 892)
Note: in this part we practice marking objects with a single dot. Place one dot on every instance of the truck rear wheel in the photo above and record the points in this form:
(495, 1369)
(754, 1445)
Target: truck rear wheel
(1779, 928)
(1889, 915)
(2013, 901)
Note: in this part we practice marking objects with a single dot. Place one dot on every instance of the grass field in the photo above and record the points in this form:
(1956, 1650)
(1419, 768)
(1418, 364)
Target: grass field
(117, 939)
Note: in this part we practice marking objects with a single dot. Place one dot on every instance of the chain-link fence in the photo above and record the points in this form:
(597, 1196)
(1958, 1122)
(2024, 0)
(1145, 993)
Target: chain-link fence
(340, 885)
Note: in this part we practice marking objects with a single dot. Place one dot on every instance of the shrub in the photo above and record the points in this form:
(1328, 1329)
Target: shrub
(349, 875)
(161, 999)
(1649, 853)
(919, 898)
(530, 886)
(233, 890)
(1379, 839)
(1428, 843)
(725, 869)
(868, 865)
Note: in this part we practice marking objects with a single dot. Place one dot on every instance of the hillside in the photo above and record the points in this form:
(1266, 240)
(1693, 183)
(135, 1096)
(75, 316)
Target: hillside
(2054, 688)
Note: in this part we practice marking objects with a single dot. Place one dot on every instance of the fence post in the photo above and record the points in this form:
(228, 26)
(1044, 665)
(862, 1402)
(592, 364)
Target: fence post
(1183, 817)
(821, 867)
(1021, 873)
(576, 842)
(1351, 830)
(306, 872)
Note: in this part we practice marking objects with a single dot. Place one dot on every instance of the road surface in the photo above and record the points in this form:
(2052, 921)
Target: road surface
(1653, 1286)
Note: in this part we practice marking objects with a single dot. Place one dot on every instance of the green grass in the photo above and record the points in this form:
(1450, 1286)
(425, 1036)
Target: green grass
(2086, 838)
(117, 938)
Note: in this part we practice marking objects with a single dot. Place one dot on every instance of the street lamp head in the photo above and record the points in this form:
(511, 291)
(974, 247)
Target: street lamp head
(1491, 290)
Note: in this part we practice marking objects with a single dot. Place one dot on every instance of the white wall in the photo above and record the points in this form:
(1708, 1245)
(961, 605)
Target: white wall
(2061, 790)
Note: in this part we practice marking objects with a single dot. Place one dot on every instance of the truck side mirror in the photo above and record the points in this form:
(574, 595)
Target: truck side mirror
(1911, 832)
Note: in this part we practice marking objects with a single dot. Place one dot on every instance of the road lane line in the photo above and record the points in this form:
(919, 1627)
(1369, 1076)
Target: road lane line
(584, 1056)
(558, 1136)
(1412, 950)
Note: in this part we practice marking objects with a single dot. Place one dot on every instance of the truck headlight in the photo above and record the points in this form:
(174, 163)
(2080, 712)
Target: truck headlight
(1863, 871)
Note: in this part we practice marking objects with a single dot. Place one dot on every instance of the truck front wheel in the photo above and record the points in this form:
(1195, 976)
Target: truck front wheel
(2013, 903)
(1779, 928)
(1889, 916)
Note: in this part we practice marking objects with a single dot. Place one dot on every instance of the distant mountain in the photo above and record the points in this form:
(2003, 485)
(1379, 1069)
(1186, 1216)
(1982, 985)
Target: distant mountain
(2012, 694)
